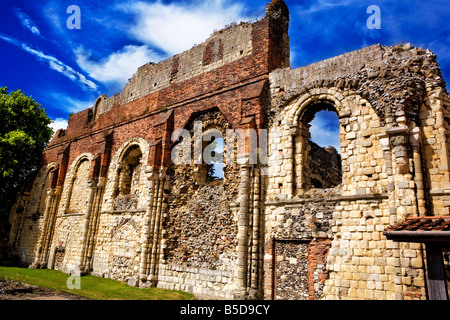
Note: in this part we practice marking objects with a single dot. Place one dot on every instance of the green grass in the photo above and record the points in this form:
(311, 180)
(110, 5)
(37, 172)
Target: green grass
(90, 287)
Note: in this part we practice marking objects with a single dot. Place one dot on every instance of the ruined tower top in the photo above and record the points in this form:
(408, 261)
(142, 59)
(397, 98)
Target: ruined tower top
(277, 9)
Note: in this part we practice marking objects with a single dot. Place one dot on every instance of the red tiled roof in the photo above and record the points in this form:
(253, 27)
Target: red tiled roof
(420, 229)
(428, 223)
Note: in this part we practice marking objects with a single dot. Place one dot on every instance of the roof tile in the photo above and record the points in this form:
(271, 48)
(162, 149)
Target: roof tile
(427, 223)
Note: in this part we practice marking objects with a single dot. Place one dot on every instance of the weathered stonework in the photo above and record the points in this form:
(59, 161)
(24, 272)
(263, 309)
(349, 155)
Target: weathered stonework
(306, 224)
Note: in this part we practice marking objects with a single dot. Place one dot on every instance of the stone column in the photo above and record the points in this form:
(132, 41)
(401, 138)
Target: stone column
(384, 141)
(255, 250)
(146, 236)
(50, 229)
(92, 185)
(159, 206)
(303, 135)
(415, 140)
(39, 247)
(405, 198)
(242, 246)
(404, 184)
(94, 222)
(293, 131)
(396, 251)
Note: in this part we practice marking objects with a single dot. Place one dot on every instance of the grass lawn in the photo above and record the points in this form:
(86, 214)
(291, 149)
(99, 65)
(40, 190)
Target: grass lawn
(91, 287)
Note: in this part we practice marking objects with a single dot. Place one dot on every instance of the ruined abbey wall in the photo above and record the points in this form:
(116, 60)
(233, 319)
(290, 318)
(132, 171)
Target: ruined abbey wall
(388, 104)
(303, 222)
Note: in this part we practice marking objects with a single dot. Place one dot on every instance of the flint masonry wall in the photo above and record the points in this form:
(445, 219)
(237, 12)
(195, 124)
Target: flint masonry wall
(382, 97)
(90, 228)
(109, 200)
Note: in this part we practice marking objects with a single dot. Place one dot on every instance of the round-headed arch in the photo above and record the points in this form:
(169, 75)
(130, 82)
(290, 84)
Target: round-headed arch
(71, 172)
(120, 154)
(324, 99)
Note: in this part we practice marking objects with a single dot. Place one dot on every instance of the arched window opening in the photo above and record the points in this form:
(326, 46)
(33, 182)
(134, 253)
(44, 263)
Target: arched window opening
(214, 171)
(318, 148)
(43, 195)
(127, 190)
(78, 198)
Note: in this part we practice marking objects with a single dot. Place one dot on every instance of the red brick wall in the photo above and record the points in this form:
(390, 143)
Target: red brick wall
(238, 89)
(317, 260)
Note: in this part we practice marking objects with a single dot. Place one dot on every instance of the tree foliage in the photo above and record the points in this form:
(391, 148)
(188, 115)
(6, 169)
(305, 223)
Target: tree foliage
(24, 133)
(211, 174)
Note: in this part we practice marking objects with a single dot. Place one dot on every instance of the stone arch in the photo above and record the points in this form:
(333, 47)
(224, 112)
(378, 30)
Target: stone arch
(116, 175)
(360, 132)
(97, 108)
(76, 184)
(44, 175)
(26, 219)
(297, 108)
(313, 166)
(202, 206)
(214, 123)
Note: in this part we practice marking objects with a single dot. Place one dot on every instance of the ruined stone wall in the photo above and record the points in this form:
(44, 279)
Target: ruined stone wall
(433, 133)
(232, 44)
(29, 216)
(109, 200)
(117, 215)
(117, 247)
(202, 228)
(298, 230)
(376, 92)
(361, 153)
(324, 166)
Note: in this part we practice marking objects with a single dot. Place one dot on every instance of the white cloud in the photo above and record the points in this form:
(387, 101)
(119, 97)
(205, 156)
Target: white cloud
(176, 27)
(325, 130)
(119, 66)
(53, 63)
(59, 123)
(26, 21)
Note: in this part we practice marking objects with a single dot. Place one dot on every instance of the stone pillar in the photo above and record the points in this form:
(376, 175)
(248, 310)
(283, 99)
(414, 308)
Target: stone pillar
(158, 209)
(39, 247)
(386, 147)
(301, 152)
(92, 185)
(384, 141)
(255, 250)
(154, 236)
(293, 131)
(146, 236)
(405, 201)
(242, 246)
(51, 226)
(404, 184)
(415, 140)
(94, 223)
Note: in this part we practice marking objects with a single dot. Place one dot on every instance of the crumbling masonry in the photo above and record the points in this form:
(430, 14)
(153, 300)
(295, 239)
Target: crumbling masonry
(306, 224)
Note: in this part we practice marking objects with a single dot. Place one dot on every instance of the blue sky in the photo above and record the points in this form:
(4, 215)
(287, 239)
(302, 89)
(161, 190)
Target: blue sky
(65, 70)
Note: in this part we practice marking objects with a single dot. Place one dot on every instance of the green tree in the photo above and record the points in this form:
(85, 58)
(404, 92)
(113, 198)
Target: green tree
(211, 174)
(24, 133)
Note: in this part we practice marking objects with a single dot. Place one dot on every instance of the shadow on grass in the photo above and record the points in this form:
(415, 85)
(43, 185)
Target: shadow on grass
(90, 286)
